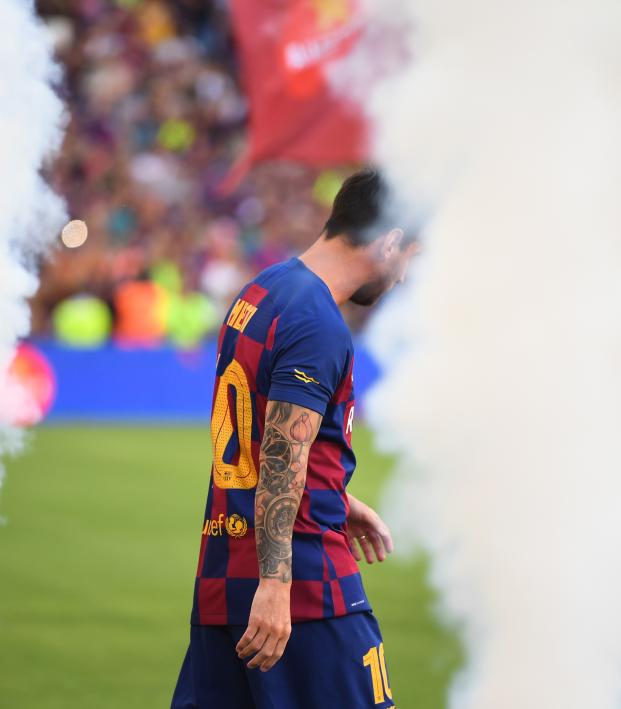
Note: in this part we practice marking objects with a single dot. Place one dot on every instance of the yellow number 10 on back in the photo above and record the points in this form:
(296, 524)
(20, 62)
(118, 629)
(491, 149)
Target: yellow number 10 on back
(375, 660)
(244, 474)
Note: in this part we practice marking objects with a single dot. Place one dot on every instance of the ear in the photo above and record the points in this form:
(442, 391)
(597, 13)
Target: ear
(392, 243)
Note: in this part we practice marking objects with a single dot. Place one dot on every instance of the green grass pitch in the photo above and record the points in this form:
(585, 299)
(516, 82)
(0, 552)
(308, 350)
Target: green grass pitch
(97, 555)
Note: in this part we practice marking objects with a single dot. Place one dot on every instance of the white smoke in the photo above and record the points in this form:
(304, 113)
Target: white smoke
(31, 128)
(502, 390)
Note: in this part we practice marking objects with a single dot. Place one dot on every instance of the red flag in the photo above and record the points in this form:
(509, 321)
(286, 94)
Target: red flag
(284, 46)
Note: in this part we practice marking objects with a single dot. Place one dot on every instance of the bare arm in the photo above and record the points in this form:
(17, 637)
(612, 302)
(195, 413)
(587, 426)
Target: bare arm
(366, 528)
(289, 433)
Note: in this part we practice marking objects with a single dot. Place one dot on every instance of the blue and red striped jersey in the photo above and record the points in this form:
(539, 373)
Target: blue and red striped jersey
(283, 339)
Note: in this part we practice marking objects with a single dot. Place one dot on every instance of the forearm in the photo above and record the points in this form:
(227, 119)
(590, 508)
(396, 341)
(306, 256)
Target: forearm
(289, 433)
(355, 505)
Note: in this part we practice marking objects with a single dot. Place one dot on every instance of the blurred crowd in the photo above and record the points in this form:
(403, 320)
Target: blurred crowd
(157, 119)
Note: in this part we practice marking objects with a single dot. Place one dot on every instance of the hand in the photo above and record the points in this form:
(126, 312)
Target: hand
(269, 626)
(366, 529)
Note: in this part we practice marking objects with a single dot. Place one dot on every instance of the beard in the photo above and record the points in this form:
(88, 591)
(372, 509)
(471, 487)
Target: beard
(371, 292)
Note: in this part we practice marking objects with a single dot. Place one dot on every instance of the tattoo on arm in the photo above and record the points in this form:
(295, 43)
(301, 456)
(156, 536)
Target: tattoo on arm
(289, 433)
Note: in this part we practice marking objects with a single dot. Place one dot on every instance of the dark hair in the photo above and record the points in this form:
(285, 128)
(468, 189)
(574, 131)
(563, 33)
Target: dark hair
(358, 212)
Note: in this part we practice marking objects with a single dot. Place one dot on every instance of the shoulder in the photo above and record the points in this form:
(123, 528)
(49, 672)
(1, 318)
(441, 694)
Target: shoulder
(313, 309)
(274, 276)
(304, 306)
(311, 335)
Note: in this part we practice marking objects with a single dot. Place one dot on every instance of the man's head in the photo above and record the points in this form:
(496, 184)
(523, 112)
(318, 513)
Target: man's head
(360, 216)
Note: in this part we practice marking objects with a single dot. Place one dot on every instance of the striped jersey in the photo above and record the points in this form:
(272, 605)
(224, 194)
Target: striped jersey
(283, 339)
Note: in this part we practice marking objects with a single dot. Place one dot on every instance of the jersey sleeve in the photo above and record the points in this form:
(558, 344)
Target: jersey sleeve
(309, 359)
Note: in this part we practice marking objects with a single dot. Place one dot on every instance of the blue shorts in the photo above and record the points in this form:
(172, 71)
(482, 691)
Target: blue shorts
(337, 663)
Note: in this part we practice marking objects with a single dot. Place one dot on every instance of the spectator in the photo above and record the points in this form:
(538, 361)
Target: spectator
(157, 118)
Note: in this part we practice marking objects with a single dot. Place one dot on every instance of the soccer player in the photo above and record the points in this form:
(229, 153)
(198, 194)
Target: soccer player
(280, 618)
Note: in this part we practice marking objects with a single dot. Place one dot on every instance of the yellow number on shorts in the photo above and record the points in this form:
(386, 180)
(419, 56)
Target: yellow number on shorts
(244, 474)
(379, 677)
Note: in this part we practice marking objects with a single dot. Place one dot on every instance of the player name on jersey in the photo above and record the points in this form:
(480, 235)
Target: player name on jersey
(241, 314)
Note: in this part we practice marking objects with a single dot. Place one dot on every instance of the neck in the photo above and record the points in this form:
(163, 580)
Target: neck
(341, 267)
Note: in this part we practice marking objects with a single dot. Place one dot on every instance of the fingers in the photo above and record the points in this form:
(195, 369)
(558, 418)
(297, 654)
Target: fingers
(367, 550)
(278, 653)
(267, 647)
(264, 654)
(382, 542)
(386, 536)
(270, 653)
(354, 548)
(253, 645)
(378, 546)
(246, 638)
(375, 544)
